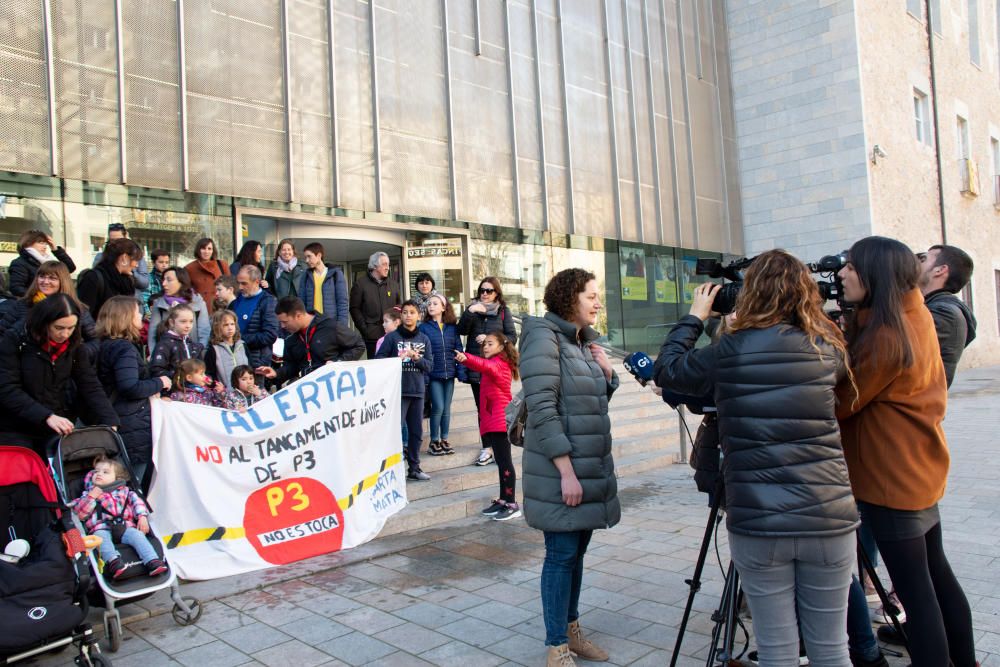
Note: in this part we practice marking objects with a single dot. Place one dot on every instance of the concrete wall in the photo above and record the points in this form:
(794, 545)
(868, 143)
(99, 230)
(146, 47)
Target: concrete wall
(797, 99)
(904, 186)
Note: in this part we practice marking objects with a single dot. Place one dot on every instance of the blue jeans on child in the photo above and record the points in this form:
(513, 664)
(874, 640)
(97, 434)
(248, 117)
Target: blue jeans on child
(562, 577)
(441, 394)
(412, 417)
(133, 537)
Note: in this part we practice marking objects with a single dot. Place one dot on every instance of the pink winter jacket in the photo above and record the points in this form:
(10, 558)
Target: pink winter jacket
(494, 391)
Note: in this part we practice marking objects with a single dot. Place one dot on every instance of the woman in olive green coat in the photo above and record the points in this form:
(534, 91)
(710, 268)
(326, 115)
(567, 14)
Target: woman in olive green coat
(568, 472)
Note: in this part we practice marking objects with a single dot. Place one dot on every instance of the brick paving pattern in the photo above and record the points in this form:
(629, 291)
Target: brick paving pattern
(467, 593)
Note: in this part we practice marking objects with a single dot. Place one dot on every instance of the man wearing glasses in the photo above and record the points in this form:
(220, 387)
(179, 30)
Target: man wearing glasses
(944, 272)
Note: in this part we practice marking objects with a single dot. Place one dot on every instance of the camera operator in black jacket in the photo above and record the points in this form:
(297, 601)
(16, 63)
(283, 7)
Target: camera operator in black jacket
(944, 272)
(790, 515)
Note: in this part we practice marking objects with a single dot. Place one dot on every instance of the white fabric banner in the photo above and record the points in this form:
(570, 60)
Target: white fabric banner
(313, 469)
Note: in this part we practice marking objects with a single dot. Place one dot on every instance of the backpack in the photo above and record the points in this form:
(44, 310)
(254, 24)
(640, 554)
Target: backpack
(516, 415)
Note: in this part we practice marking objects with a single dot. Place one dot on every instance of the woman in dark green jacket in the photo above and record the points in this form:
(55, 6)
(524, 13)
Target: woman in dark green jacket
(568, 472)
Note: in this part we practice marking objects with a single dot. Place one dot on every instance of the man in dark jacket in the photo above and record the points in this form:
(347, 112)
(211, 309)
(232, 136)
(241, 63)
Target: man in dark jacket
(945, 271)
(372, 295)
(254, 309)
(314, 341)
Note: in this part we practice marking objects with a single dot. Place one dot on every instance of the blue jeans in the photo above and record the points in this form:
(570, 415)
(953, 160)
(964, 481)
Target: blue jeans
(810, 575)
(562, 576)
(860, 638)
(441, 393)
(133, 537)
(413, 421)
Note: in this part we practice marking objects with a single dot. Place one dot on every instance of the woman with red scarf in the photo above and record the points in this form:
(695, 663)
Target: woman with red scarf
(40, 367)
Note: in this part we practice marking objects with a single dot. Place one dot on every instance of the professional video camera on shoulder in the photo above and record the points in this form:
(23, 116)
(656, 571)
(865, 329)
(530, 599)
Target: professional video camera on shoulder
(830, 289)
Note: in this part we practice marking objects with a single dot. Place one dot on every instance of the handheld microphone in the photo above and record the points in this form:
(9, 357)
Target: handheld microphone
(640, 366)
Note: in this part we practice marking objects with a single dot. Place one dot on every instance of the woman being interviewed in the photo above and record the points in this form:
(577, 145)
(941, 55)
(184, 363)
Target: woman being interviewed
(568, 473)
(896, 450)
(789, 510)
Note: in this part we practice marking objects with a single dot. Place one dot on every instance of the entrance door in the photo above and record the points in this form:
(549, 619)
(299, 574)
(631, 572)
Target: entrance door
(412, 249)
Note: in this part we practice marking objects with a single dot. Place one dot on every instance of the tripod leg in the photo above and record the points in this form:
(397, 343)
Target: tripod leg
(695, 581)
(721, 617)
(891, 609)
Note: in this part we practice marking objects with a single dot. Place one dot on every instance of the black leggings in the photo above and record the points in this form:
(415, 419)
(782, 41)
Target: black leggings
(938, 618)
(505, 464)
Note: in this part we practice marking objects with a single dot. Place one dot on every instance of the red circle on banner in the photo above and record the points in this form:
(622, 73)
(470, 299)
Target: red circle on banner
(293, 519)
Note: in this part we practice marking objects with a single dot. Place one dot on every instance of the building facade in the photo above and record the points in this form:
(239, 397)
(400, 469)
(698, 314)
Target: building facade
(853, 118)
(464, 137)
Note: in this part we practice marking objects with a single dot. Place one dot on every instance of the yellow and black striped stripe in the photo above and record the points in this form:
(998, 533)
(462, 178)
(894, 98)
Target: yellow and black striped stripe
(196, 535)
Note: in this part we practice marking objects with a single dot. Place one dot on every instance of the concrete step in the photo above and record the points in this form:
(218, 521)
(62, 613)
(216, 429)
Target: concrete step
(430, 511)
(655, 424)
(447, 479)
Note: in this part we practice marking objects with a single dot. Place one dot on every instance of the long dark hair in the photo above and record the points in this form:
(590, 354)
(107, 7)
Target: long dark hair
(496, 285)
(246, 255)
(888, 270)
(48, 311)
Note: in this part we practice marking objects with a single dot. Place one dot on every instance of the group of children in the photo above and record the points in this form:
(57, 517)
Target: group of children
(219, 376)
(432, 360)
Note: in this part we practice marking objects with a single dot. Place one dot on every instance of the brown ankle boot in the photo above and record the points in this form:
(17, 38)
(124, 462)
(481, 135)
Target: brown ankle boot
(559, 656)
(582, 646)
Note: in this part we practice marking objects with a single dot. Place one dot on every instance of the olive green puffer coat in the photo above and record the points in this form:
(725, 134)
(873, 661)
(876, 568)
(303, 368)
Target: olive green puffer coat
(567, 396)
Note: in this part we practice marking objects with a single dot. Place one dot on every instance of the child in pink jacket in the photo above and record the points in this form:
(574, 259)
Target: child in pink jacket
(498, 366)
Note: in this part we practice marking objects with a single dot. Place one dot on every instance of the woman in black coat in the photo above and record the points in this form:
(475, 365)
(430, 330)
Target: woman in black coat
(125, 377)
(34, 249)
(111, 277)
(487, 312)
(40, 366)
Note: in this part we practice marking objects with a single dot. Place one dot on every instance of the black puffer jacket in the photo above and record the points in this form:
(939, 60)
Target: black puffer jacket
(567, 396)
(955, 325)
(128, 385)
(32, 388)
(325, 339)
(14, 313)
(784, 467)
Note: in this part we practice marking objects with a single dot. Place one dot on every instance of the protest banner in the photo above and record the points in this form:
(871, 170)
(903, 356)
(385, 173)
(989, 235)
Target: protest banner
(313, 469)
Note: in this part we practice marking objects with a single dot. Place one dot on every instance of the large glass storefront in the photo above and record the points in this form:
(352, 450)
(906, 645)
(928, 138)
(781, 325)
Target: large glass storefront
(646, 287)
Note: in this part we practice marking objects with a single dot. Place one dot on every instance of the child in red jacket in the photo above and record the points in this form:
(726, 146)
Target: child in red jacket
(498, 366)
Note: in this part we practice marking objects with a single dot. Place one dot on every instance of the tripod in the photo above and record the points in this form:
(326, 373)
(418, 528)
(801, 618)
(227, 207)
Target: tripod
(725, 614)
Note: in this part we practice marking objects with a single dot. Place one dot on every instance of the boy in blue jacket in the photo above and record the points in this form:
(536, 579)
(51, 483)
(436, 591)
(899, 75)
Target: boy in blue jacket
(414, 348)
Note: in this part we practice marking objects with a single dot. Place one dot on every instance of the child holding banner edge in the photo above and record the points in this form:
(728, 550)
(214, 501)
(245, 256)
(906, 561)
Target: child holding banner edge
(414, 348)
(497, 366)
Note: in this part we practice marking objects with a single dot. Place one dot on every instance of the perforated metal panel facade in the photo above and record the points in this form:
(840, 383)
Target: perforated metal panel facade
(599, 118)
(24, 123)
(85, 68)
(152, 93)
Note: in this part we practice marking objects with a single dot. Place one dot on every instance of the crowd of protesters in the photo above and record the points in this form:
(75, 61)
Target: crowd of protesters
(858, 411)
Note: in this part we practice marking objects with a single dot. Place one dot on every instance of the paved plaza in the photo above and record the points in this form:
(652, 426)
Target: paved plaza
(467, 593)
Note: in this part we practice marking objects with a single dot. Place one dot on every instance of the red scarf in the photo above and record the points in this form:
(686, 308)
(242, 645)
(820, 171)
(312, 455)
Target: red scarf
(54, 349)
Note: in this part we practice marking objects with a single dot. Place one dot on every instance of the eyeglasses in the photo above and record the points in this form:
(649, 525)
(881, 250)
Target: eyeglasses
(487, 290)
(48, 279)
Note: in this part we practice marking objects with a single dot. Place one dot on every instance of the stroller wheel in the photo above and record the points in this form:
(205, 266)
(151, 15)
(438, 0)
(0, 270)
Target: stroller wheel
(113, 630)
(93, 660)
(182, 617)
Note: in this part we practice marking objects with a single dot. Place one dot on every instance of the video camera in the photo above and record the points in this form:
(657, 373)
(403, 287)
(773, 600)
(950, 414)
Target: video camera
(831, 289)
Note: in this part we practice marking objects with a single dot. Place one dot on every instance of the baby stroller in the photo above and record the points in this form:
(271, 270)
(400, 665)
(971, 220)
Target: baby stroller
(72, 459)
(43, 595)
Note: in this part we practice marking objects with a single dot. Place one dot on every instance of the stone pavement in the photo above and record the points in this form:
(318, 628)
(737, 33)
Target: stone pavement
(467, 593)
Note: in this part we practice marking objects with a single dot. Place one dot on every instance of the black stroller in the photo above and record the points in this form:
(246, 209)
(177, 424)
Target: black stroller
(43, 595)
(72, 458)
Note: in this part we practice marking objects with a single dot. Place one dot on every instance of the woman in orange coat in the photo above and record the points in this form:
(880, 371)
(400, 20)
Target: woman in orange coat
(896, 451)
(205, 269)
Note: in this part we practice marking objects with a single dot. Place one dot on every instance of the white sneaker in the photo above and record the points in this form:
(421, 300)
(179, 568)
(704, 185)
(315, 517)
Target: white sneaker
(485, 458)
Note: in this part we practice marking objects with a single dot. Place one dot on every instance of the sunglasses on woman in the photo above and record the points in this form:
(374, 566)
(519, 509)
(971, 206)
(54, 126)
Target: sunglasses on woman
(487, 290)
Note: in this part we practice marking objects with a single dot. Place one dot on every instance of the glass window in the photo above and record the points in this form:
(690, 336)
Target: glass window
(974, 31)
(921, 117)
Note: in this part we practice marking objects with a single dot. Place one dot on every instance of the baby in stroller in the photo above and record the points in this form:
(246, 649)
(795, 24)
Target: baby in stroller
(116, 513)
